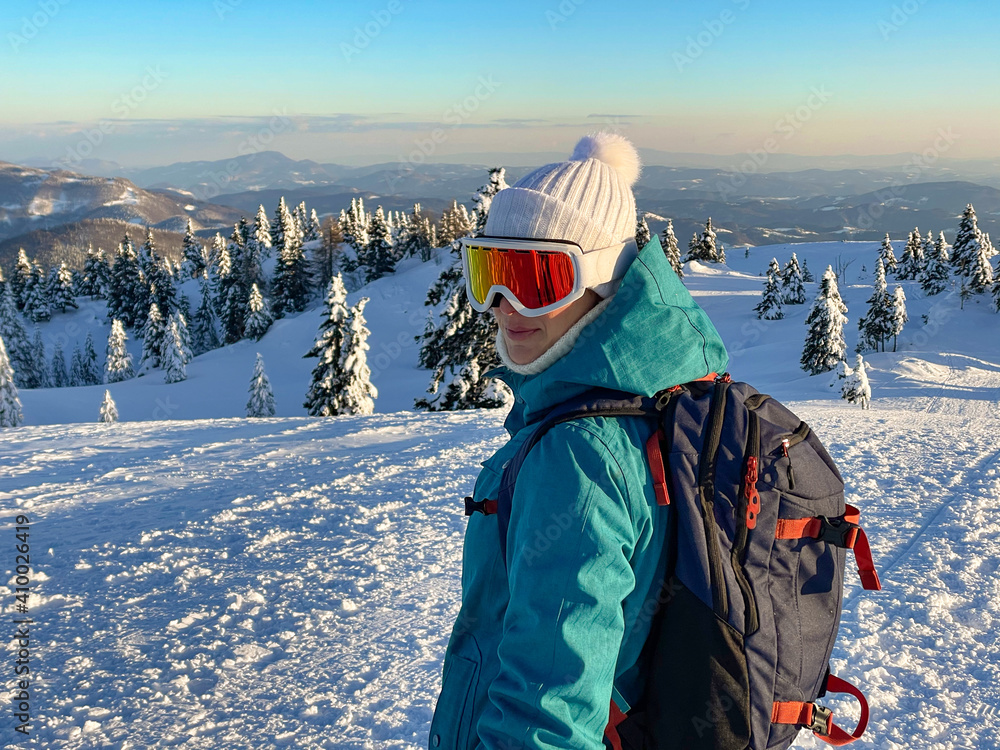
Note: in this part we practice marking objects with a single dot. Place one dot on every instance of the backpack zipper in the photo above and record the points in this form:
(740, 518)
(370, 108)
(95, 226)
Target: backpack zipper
(746, 520)
(706, 490)
(794, 438)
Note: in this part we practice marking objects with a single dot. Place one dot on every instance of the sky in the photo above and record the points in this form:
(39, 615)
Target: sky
(152, 83)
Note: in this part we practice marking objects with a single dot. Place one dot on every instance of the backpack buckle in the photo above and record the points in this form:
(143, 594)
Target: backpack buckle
(822, 717)
(486, 507)
(837, 531)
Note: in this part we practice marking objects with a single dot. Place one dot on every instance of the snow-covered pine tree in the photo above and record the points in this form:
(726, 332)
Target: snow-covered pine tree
(76, 367)
(173, 358)
(261, 401)
(807, 275)
(483, 199)
(19, 279)
(109, 412)
(897, 314)
(642, 235)
(887, 255)
(153, 337)
(118, 361)
(358, 392)
(290, 288)
(875, 327)
(39, 372)
(94, 277)
(195, 261)
(314, 230)
(325, 395)
(671, 250)
(825, 345)
(769, 307)
(59, 377)
(909, 265)
(462, 347)
(180, 320)
(205, 325)
(705, 248)
(935, 277)
(127, 288)
(10, 402)
(354, 226)
(258, 315)
(979, 270)
(300, 216)
(90, 371)
(968, 242)
(379, 255)
(856, 388)
(325, 255)
(61, 289)
(455, 223)
(16, 335)
(258, 248)
(36, 296)
(792, 291)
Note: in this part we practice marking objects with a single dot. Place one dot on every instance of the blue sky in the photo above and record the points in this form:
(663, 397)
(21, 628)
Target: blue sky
(374, 80)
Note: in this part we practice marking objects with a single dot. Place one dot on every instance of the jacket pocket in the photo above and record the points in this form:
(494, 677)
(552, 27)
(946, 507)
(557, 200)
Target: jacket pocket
(451, 728)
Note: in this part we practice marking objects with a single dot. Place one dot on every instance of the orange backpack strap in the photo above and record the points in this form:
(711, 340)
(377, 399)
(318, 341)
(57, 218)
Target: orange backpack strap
(819, 718)
(844, 532)
(615, 717)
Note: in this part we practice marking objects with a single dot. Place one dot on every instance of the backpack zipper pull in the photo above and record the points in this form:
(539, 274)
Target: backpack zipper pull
(788, 471)
(750, 490)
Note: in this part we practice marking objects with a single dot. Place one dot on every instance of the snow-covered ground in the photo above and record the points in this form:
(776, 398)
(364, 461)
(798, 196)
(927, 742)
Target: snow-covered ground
(233, 583)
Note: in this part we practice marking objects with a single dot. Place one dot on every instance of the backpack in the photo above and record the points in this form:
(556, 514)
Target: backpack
(739, 646)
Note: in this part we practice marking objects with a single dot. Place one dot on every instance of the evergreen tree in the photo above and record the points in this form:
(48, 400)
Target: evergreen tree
(887, 255)
(979, 271)
(258, 315)
(76, 367)
(96, 274)
(59, 376)
(934, 279)
(911, 263)
(642, 235)
(10, 402)
(325, 395)
(705, 247)
(314, 230)
(856, 388)
(205, 333)
(354, 225)
(825, 346)
(153, 337)
(90, 371)
(461, 348)
(290, 289)
(261, 402)
(671, 250)
(36, 296)
(174, 359)
(358, 392)
(875, 327)
(118, 362)
(807, 276)
(379, 255)
(126, 289)
(792, 291)
(14, 333)
(195, 262)
(455, 223)
(258, 247)
(38, 374)
(109, 412)
(300, 218)
(769, 307)
(324, 257)
(61, 289)
(482, 200)
(180, 320)
(897, 314)
(22, 273)
(968, 242)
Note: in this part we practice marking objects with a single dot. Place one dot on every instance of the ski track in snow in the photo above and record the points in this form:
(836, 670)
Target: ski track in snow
(292, 582)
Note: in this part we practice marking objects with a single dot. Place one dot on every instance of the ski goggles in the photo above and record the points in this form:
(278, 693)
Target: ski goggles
(536, 276)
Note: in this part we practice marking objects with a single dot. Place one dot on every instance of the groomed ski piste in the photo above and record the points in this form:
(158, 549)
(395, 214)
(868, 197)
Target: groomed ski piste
(201, 580)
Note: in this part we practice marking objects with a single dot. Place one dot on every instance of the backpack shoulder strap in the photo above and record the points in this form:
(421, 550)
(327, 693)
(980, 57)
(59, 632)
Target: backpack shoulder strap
(599, 402)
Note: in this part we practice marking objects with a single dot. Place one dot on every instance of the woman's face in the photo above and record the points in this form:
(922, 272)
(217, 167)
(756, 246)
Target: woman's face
(529, 338)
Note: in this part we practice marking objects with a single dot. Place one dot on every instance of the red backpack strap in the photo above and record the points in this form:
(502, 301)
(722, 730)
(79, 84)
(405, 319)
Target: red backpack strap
(819, 719)
(843, 531)
(615, 717)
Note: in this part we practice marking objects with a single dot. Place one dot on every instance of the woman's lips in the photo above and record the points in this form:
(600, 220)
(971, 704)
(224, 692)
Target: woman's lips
(519, 334)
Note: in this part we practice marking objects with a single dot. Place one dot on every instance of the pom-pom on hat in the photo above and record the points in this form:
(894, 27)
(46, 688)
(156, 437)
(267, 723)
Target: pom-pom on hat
(587, 200)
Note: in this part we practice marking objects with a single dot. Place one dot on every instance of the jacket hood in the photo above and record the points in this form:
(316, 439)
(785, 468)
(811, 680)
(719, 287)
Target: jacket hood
(652, 335)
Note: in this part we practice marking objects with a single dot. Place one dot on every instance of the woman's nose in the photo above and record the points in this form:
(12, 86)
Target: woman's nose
(505, 307)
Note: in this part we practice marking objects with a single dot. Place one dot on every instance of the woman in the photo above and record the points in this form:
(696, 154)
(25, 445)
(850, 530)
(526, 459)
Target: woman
(546, 646)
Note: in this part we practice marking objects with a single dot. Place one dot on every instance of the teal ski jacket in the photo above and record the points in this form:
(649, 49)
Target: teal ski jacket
(543, 642)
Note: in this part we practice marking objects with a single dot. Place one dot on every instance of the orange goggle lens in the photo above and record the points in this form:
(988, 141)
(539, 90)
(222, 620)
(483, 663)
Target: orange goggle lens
(536, 277)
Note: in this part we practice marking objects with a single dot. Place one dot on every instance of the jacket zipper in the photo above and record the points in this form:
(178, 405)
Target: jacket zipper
(706, 490)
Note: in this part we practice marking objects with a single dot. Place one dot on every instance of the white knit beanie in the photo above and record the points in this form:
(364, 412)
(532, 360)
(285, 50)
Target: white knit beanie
(587, 200)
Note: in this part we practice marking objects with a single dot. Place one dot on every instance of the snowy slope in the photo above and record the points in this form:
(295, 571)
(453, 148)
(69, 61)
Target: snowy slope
(232, 583)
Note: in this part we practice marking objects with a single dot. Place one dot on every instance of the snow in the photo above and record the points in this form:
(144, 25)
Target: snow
(202, 580)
